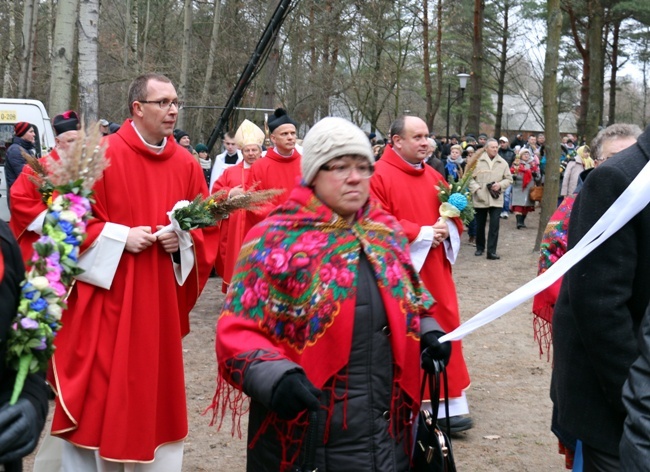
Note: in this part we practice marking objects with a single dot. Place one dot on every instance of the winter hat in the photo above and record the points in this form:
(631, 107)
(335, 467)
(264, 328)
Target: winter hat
(330, 138)
(179, 133)
(201, 148)
(280, 118)
(21, 128)
(503, 139)
(66, 121)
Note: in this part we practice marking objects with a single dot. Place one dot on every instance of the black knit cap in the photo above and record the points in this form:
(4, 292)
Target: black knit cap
(66, 121)
(179, 133)
(280, 118)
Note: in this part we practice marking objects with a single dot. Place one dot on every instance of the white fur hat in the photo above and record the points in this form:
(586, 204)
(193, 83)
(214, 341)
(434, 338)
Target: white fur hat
(330, 138)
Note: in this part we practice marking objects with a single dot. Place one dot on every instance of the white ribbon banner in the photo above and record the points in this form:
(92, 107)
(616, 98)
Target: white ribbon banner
(634, 199)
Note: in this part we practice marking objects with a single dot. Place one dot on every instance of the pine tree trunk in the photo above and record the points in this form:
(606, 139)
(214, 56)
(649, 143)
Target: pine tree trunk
(436, 105)
(551, 124)
(428, 88)
(611, 119)
(595, 34)
(503, 62)
(214, 41)
(476, 83)
(88, 80)
(185, 58)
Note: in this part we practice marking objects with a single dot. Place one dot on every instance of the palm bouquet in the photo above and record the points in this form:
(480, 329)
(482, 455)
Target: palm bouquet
(454, 195)
(67, 190)
(200, 212)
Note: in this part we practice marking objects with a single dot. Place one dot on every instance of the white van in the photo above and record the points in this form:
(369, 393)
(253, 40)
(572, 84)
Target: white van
(13, 110)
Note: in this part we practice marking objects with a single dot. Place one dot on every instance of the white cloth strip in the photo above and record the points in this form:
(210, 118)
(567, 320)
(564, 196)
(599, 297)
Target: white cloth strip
(634, 199)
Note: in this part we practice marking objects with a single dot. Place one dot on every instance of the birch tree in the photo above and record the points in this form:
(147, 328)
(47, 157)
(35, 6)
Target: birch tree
(62, 60)
(88, 80)
(11, 49)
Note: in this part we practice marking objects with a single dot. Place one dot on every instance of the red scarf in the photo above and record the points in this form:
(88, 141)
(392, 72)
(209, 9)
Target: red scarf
(293, 295)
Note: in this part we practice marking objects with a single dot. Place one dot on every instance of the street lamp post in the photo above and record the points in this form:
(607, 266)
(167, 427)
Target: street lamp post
(462, 78)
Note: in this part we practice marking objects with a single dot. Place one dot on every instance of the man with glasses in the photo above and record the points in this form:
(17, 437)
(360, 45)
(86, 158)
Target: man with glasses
(408, 189)
(118, 366)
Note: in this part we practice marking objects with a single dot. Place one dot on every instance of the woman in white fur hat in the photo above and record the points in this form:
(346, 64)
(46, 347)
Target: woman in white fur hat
(323, 314)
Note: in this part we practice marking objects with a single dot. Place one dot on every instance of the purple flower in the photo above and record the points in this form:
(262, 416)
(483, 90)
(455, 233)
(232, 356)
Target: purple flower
(42, 346)
(28, 323)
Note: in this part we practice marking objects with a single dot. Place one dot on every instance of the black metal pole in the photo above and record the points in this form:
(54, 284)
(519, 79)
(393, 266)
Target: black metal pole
(261, 50)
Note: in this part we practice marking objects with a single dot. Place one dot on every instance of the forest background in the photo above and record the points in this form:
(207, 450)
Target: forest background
(368, 60)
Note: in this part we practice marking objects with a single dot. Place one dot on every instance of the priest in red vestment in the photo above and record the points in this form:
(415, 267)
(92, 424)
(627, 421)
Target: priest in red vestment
(407, 189)
(118, 365)
(234, 180)
(280, 167)
(27, 205)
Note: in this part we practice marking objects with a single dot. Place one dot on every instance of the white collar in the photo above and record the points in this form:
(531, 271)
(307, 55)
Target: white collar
(156, 149)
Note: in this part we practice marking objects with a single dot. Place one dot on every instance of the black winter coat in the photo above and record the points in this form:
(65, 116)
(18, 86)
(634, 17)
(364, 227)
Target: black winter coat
(15, 161)
(600, 307)
(366, 445)
(635, 444)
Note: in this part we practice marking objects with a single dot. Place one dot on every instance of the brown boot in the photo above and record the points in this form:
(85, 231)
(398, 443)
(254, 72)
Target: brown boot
(472, 241)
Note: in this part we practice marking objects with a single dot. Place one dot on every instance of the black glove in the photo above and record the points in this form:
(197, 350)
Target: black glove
(494, 193)
(432, 350)
(19, 430)
(293, 394)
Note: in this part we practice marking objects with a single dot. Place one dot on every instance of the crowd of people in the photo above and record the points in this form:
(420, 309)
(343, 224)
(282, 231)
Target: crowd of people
(348, 271)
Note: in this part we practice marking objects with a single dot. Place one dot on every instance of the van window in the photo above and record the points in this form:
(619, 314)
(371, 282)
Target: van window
(7, 136)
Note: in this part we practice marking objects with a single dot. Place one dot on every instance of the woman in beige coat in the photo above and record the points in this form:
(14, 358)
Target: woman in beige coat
(490, 178)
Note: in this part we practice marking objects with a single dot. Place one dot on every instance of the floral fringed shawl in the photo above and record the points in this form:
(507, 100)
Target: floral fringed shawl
(554, 246)
(293, 297)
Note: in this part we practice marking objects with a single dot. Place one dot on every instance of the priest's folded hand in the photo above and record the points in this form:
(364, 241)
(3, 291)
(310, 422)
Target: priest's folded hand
(293, 394)
(433, 350)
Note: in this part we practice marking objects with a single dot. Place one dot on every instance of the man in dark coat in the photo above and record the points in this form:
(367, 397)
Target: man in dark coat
(20, 424)
(598, 313)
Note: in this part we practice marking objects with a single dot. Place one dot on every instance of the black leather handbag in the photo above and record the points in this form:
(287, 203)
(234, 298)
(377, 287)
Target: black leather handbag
(432, 450)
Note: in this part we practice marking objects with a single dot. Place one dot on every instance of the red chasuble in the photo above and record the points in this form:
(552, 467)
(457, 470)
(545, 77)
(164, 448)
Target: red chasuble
(118, 366)
(26, 205)
(232, 228)
(273, 171)
(412, 197)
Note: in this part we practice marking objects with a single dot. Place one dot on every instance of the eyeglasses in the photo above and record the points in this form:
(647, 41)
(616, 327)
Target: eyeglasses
(343, 171)
(165, 104)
